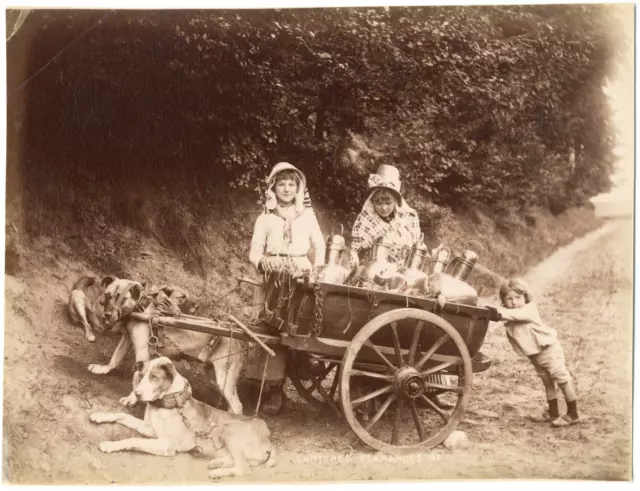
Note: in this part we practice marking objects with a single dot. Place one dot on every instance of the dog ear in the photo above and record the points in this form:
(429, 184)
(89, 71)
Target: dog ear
(169, 369)
(107, 280)
(136, 291)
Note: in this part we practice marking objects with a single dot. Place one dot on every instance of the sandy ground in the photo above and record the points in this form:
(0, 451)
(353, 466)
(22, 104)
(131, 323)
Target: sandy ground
(585, 291)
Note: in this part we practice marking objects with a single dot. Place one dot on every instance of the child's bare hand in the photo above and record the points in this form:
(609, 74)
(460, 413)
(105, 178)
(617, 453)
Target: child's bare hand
(270, 264)
(496, 316)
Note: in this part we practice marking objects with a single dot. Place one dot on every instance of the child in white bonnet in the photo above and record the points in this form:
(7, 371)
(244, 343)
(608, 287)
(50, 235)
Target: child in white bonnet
(284, 235)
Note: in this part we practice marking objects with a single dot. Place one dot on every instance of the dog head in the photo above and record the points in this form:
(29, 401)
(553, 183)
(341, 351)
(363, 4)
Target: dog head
(175, 298)
(156, 382)
(119, 299)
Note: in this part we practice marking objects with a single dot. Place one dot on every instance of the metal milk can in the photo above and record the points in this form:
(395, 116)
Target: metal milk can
(462, 265)
(411, 276)
(441, 259)
(332, 271)
(376, 272)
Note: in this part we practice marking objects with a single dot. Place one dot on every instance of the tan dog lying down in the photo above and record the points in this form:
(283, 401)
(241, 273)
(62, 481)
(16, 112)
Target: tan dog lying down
(175, 422)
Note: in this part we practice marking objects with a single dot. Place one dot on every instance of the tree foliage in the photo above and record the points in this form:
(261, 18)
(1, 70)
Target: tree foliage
(494, 106)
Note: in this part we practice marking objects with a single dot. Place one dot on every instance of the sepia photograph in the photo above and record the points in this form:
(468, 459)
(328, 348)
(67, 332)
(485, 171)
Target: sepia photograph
(318, 244)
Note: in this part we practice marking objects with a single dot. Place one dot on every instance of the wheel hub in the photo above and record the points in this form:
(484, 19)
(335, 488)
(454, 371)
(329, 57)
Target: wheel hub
(409, 383)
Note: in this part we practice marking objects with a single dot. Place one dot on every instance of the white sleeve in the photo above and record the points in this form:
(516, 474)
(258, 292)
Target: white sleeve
(525, 314)
(317, 239)
(258, 240)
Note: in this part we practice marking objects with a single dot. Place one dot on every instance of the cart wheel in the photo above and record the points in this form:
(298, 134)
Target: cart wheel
(405, 378)
(318, 384)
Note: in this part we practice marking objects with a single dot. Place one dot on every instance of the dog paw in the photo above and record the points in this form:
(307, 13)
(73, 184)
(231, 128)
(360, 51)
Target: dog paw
(218, 473)
(129, 401)
(102, 418)
(99, 369)
(216, 463)
(108, 447)
(90, 337)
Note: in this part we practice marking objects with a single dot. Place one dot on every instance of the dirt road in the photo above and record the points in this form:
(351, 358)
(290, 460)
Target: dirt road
(585, 291)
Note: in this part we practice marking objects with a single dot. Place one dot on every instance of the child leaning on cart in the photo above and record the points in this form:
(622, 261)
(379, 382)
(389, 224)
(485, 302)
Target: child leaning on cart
(283, 236)
(531, 338)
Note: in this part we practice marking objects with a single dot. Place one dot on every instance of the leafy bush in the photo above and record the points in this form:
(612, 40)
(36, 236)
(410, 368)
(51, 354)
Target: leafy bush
(500, 107)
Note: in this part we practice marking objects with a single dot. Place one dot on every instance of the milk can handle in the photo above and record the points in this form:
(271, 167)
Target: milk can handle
(443, 248)
(341, 233)
(475, 242)
(341, 230)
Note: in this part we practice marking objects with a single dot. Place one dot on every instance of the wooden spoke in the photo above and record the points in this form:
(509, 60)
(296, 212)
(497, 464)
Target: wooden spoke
(325, 396)
(364, 373)
(438, 367)
(416, 419)
(330, 366)
(433, 406)
(396, 344)
(396, 422)
(334, 385)
(448, 388)
(372, 346)
(414, 342)
(383, 408)
(443, 339)
(371, 395)
(381, 364)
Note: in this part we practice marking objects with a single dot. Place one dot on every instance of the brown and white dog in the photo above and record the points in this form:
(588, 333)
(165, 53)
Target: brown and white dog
(82, 305)
(175, 422)
(122, 296)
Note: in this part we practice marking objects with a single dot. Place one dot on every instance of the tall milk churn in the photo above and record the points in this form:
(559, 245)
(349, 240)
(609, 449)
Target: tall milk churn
(462, 265)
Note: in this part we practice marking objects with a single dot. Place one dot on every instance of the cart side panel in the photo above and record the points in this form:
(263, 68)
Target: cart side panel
(346, 310)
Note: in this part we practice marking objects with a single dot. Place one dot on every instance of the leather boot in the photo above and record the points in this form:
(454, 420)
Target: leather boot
(274, 400)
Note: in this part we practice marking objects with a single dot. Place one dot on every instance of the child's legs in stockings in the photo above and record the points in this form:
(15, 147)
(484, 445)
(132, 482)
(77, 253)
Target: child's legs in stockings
(568, 390)
(549, 384)
(551, 360)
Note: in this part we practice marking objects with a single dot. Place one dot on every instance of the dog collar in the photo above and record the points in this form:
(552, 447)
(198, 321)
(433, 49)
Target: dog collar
(175, 399)
(142, 304)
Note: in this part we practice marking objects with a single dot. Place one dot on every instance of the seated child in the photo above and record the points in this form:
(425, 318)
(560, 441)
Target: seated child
(385, 213)
(531, 338)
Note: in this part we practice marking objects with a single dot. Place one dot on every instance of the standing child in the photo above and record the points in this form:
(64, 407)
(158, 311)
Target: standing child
(287, 229)
(283, 236)
(531, 338)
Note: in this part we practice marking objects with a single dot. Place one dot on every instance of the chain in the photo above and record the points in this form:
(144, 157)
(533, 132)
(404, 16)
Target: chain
(373, 300)
(153, 339)
(283, 299)
(199, 434)
(319, 310)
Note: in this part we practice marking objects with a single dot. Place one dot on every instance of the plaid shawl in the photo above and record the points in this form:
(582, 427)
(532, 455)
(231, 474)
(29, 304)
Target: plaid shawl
(403, 230)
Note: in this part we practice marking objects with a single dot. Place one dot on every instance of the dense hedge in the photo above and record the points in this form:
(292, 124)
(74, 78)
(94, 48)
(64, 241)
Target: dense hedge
(494, 106)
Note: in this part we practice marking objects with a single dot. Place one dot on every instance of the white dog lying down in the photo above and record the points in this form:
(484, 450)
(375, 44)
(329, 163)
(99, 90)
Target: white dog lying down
(175, 422)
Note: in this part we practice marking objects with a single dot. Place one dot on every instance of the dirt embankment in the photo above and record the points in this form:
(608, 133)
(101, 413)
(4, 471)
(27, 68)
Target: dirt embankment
(585, 291)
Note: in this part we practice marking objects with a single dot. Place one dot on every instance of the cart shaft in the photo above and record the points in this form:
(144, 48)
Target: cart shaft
(207, 326)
